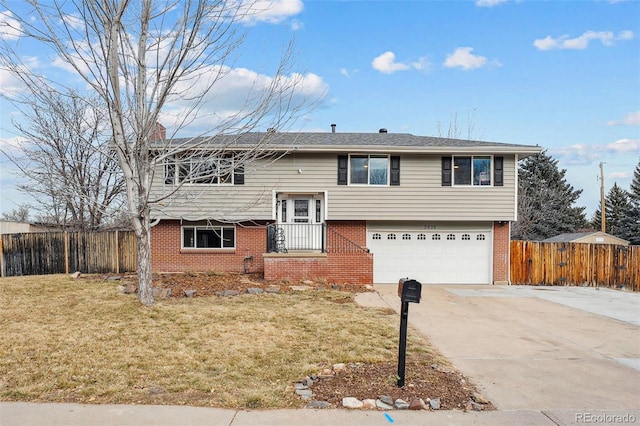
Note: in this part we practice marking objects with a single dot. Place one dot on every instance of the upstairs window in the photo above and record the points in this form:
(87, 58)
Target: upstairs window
(369, 169)
(373, 170)
(201, 168)
(472, 170)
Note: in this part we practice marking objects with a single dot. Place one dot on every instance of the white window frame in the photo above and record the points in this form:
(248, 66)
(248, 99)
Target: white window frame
(174, 165)
(216, 228)
(472, 184)
(369, 157)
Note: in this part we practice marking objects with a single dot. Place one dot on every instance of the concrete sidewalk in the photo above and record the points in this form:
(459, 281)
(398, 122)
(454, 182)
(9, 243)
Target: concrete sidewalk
(27, 414)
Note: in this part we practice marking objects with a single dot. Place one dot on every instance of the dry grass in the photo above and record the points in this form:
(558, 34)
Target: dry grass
(83, 341)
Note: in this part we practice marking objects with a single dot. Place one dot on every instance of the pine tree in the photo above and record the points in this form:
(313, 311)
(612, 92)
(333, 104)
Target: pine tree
(545, 200)
(631, 229)
(617, 216)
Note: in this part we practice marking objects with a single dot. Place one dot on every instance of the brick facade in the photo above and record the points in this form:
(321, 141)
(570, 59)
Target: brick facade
(167, 255)
(501, 241)
(249, 256)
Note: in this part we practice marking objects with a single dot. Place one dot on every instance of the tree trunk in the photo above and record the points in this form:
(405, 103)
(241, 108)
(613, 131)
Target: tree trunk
(143, 237)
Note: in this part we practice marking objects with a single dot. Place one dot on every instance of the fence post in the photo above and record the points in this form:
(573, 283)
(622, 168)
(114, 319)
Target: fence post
(1, 258)
(66, 252)
(117, 253)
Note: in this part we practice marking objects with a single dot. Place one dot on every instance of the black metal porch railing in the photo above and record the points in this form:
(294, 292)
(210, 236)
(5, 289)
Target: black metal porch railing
(286, 237)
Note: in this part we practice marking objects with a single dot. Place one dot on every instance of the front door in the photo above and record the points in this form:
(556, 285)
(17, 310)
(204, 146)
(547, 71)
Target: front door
(300, 216)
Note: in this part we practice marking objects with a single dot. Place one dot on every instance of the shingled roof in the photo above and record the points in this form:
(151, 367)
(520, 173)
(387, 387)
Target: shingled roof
(335, 142)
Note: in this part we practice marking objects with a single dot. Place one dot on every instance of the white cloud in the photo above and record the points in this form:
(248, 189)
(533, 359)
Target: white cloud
(344, 72)
(237, 91)
(583, 154)
(463, 58)
(10, 28)
(296, 25)
(489, 3)
(607, 38)
(386, 63)
(270, 11)
(631, 119)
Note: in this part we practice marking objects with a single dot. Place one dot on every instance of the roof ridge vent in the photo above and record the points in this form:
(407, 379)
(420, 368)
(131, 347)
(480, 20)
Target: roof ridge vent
(383, 130)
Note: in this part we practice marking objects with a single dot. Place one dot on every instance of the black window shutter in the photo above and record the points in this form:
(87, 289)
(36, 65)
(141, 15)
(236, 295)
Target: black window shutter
(446, 171)
(238, 176)
(395, 171)
(498, 171)
(342, 169)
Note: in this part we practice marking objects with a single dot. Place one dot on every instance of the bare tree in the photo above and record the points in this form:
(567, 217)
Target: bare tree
(148, 58)
(21, 214)
(65, 159)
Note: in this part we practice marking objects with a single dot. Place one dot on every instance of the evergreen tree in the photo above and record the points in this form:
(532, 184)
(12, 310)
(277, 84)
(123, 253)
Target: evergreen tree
(631, 230)
(618, 210)
(545, 200)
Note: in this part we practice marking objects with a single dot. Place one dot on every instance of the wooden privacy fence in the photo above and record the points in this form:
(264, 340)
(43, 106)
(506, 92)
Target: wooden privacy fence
(603, 265)
(42, 253)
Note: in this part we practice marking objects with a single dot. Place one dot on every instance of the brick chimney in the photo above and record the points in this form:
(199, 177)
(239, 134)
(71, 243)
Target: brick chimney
(159, 133)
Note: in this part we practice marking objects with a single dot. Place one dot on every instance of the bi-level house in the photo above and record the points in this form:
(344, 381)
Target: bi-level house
(346, 207)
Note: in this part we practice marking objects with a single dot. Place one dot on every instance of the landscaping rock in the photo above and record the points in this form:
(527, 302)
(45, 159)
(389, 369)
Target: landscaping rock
(76, 275)
(305, 394)
(228, 293)
(350, 402)
(255, 291)
(401, 404)
(477, 397)
(113, 278)
(474, 406)
(416, 404)
(382, 406)
(272, 289)
(369, 404)
(339, 366)
(434, 403)
(189, 293)
(386, 399)
(300, 287)
(318, 404)
(130, 289)
(300, 386)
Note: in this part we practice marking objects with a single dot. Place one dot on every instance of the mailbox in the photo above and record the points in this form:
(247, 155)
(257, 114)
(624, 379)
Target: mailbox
(409, 290)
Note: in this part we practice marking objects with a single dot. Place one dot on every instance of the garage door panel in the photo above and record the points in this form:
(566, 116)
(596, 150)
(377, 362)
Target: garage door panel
(460, 257)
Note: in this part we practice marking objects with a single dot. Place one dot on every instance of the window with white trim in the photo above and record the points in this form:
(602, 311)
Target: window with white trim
(406, 236)
(391, 236)
(466, 237)
(472, 170)
(480, 237)
(422, 237)
(435, 237)
(376, 236)
(369, 169)
(451, 237)
(201, 168)
(208, 237)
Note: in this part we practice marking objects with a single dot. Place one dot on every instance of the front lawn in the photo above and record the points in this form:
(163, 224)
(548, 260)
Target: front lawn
(84, 341)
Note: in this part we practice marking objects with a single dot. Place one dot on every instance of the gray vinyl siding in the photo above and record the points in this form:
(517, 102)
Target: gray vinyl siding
(420, 195)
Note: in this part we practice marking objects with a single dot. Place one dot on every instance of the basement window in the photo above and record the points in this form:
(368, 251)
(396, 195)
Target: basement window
(208, 237)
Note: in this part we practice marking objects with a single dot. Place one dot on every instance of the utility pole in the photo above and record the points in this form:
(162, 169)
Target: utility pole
(603, 211)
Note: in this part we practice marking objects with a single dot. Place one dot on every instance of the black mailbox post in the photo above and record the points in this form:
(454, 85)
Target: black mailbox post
(409, 291)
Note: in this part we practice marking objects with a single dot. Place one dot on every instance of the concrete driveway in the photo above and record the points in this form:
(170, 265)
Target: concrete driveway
(561, 350)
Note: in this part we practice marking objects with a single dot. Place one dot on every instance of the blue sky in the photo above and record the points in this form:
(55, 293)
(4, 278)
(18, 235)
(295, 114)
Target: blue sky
(561, 74)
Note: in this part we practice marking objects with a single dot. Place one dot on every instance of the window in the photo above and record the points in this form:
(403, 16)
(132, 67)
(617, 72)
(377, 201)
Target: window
(377, 236)
(473, 170)
(422, 237)
(379, 170)
(406, 236)
(435, 237)
(451, 237)
(480, 237)
(201, 168)
(368, 169)
(391, 236)
(466, 237)
(208, 237)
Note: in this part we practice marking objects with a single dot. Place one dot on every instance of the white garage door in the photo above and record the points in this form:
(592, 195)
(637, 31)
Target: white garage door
(442, 257)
